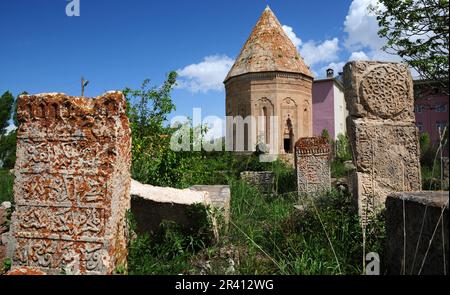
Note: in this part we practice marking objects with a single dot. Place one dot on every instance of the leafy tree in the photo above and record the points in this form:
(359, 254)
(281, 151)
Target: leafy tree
(418, 31)
(8, 150)
(148, 107)
(6, 103)
(14, 115)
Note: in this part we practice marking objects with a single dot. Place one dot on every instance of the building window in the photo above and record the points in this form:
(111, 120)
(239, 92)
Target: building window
(441, 108)
(418, 108)
(420, 126)
(440, 125)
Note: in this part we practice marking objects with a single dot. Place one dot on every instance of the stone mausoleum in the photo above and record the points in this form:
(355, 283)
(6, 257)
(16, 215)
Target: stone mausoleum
(269, 79)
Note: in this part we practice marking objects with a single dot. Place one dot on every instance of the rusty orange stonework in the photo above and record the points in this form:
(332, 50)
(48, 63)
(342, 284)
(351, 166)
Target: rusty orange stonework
(312, 163)
(72, 182)
(269, 79)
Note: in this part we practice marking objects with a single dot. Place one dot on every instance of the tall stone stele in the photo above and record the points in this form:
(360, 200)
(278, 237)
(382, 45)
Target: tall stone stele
(269, 78)
(382, 132)
(72, 182)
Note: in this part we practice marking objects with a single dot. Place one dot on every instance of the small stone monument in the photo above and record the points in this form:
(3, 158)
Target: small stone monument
(72, 182)
(382, 132)
(312, 164)
(263, 180)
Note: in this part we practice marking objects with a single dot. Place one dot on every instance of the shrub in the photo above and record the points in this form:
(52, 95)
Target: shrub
(6, 186)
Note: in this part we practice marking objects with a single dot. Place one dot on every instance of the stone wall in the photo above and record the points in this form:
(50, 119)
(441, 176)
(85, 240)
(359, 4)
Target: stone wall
(382, 132)
(312, 159)
(417, 233)
(72, 183)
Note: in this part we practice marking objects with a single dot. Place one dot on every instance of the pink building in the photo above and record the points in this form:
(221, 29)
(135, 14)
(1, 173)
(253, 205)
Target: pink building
(431, 109)
(329, 108)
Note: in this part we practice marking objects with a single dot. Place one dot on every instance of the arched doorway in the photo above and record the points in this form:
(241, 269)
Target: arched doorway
(288, 136)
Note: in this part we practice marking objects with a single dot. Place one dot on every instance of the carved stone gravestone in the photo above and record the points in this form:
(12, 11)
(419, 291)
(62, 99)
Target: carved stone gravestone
(263, 180)
(382, 132)
(72, 184)
(312, 164)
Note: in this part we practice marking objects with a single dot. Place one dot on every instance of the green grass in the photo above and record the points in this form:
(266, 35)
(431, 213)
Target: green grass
(6, 185)
(266, 235)
(431, 178)
(338, 169)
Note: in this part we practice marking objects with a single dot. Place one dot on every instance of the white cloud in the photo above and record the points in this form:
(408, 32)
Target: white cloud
(361, 26)
(358, 55)
(206, 75)
(314, 53)
(291, 34)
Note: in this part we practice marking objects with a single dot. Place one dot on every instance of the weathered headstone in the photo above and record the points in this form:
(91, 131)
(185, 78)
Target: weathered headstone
(72, 183)
(382, 132)
(188, 208)
(312, 164)
(263, 180)
(417, 233)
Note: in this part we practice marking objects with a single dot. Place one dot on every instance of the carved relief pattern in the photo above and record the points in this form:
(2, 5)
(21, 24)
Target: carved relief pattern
(379, 91)
(385, 91)
(59, 256)
(68, 154)
(382, 133)
(312, 159)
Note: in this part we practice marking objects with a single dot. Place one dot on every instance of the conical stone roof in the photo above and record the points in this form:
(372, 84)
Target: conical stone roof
(268, 49)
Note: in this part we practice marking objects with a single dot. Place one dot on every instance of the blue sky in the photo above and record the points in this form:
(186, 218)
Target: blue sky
(119, 43)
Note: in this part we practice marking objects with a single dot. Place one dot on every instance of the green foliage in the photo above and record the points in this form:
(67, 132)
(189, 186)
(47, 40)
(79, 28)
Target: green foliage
(338, 169)
(169, 250)
(343, 152)
(8, 149)
(326, 134)
(7, 141)
(7, 263)
(288, 241)
(6, 104)
(431, 176)
(418, 32)
(6, 185)
(266, 235)
(148, 107)
(424, 141)
(430, 164)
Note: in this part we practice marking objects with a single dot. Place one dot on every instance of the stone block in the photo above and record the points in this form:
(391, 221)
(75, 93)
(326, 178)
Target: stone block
(312, 159)
(72, 183)
(382, 133)
(151, 205)
(379, 91)
(417, 233)
(219, 197)
(263, 180)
